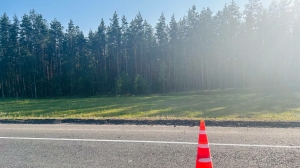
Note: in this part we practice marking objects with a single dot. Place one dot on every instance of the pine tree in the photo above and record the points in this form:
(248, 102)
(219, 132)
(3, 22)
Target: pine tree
(162, 40)
(84, 72)
(5, 59)
(69, 60)
(149, 55)
(234, 23)
(14, 50)
(114, 55)
(125, 80)
(174, 53)
(182, 52)
(205, 37)
(285, 37)
(41, 60)
(27, 57)
(56, 37)
(252, 14)
(296, 42)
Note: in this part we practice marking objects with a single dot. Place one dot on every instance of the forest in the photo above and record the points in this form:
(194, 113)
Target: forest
(203, 50)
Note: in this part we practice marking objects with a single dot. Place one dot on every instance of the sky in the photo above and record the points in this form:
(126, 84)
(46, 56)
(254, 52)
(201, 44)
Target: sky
(87, 14)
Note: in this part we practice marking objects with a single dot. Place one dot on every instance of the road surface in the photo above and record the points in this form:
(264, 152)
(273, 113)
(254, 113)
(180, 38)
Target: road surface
(63, 145)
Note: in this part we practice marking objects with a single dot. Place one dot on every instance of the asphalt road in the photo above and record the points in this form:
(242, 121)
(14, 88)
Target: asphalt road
(145, 146)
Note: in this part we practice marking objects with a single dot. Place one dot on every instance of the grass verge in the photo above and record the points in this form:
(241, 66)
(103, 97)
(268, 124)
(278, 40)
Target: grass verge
(254, 105)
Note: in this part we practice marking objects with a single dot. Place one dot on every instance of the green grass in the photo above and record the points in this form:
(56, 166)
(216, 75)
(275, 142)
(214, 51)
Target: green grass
(260, 105)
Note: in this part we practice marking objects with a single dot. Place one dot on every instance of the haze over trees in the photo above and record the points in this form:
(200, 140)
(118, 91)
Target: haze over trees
(204, 50)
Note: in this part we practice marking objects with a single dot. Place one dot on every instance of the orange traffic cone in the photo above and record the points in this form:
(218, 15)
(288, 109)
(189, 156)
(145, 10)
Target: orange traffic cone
(203, 154)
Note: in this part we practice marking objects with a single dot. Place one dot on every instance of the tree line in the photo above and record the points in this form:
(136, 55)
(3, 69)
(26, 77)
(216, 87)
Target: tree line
(256, 47)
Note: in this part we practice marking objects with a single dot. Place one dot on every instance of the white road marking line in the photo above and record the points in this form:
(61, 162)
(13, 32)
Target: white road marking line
(249, 145)
(139, 141)
(88, 129)
(99, 140)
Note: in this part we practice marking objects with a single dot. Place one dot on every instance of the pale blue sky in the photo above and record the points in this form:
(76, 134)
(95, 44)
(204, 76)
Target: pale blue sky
(87, 14)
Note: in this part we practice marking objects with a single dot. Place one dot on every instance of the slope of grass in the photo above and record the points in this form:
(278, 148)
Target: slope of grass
(263, 105)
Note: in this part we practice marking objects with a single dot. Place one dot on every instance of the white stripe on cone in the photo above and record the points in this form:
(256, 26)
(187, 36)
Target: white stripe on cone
(203, 146)
(202, 132)
(204, 160)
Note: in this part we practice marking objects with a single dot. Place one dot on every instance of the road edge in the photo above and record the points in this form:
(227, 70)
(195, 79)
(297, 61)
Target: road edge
(191, 123)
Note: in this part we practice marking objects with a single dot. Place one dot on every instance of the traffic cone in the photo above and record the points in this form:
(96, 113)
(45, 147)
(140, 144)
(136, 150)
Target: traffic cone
(203, 154)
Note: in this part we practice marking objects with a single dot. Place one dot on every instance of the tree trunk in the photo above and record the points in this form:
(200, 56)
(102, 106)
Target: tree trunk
(202, 74)
(2, 88)
(35, 94)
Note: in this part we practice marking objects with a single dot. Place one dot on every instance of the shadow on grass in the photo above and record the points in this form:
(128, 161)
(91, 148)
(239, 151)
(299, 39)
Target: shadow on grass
(232, 104)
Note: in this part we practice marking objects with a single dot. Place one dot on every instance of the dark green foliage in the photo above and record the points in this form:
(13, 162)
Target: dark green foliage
(201, 51)
(140, 85)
